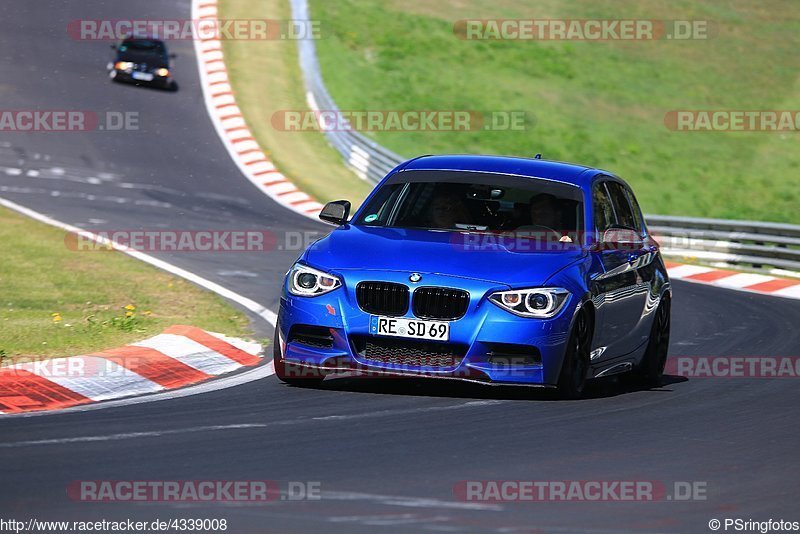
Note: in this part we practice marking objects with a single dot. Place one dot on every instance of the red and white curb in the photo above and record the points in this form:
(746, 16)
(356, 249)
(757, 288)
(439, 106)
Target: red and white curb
(753, 283)
(231, 126)
(180, 356)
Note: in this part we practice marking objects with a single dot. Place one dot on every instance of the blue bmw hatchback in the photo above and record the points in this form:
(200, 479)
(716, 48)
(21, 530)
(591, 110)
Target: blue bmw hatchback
(489, 269)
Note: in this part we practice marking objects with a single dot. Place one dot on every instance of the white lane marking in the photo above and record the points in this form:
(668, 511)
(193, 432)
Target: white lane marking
(384, 413)
(244, 274)
(191, 353)
(682, 271)
(791, 292)
(22, 190)
(128, 435)
(11, 171)
(215, 385)
(32, 173)
(93, 377)
(416, 502)
(742, 280)
(153, 203)
(435, 523)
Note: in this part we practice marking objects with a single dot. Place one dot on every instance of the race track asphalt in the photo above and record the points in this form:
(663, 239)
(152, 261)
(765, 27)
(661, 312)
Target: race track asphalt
(387, 454)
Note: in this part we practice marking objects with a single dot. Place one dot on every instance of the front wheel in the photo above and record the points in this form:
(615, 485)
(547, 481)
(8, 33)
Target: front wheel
(294, 375)
(651, 368)
(575, 367)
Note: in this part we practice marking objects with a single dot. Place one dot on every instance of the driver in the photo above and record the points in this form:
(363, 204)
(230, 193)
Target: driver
(447, 210)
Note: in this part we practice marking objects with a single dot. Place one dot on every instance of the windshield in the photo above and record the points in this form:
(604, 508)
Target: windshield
(481, 202)
(143, 45)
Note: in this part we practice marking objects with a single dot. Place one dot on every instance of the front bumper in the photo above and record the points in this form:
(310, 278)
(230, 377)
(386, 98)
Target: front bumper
(127, 76)
(494, 346)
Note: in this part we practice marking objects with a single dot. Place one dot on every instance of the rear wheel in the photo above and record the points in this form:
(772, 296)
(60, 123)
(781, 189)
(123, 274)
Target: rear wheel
(651, 369)
(294, 376)
(575, 367)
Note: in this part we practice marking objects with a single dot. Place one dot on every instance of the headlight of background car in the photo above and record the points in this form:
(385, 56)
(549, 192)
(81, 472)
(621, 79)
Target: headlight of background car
(538, 302)
(307, 282)
(123, 65)
(162, 72)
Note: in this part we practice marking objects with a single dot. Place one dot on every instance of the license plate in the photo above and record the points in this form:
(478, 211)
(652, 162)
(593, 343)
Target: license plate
(410, 328)
(144, 76)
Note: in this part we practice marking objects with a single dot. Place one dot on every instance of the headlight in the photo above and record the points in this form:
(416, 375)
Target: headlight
(162, 72)
(307, 282)
(538, 302)
(123, 65)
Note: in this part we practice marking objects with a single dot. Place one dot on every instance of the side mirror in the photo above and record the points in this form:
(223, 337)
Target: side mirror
(173, 56)
(113, 47)
(335, 212)
(622, 239)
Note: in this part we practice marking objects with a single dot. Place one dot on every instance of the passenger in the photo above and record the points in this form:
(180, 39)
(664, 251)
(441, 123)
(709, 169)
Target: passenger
(544, 211)
(545, 216)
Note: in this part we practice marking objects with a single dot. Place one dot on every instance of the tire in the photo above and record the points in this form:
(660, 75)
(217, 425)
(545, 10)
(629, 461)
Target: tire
(575, 367)
(651, 369)
(281, 372)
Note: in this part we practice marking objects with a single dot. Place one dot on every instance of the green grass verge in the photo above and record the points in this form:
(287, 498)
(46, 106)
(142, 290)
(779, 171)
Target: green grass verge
(596, 103)
(266, 78)
(60, 302)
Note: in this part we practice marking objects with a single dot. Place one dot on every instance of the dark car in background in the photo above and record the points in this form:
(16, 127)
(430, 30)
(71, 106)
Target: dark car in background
(142, 61)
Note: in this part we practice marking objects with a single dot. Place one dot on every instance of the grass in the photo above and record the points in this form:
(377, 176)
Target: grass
(60, 302)
(596, 103)
(266, 78)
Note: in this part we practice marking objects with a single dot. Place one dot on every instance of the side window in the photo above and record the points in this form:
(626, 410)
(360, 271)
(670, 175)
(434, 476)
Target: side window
(622, 208)
(637, 212)
(603, 211)
(411, 212)
(381, 206)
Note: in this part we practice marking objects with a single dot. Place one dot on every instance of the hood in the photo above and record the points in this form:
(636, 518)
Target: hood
(476, 256)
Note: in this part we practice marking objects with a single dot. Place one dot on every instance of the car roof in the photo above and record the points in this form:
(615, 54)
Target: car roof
(142, 38)
(570, 173)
